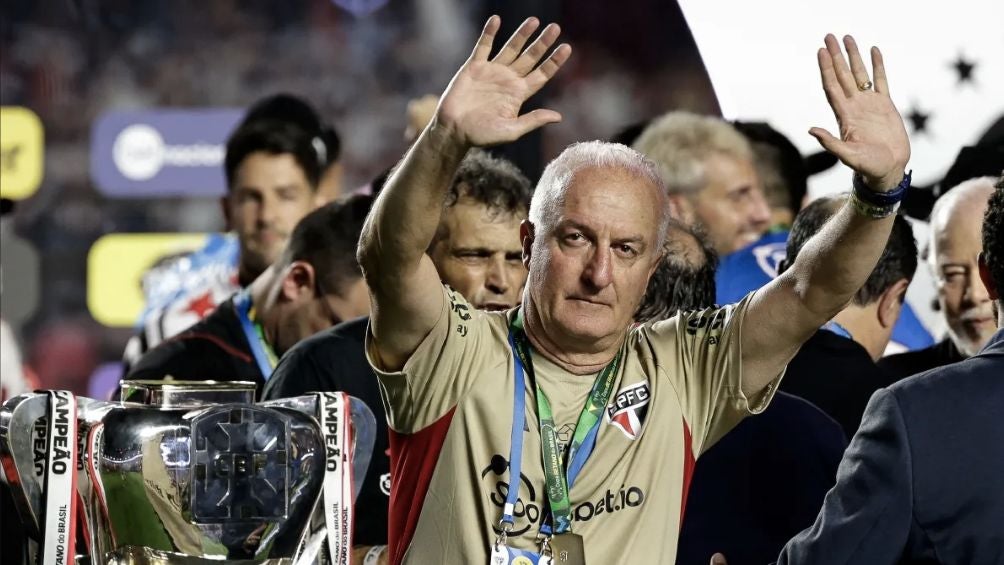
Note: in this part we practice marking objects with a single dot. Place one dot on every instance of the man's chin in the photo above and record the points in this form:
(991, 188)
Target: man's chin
(968, 345)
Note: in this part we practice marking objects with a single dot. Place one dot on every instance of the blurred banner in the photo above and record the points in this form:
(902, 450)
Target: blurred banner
(162, 153)
(115, 267)
(21, 152)
(945, 65)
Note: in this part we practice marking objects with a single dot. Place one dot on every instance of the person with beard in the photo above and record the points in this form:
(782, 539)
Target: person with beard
(921, 480)
(708, 168)
(684, 280)
(962, 298)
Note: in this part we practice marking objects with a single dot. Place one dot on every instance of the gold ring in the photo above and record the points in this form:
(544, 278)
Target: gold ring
(866, 85)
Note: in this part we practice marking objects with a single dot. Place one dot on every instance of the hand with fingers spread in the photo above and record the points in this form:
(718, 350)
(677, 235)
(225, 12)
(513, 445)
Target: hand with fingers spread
(873, 140)
(482, 103)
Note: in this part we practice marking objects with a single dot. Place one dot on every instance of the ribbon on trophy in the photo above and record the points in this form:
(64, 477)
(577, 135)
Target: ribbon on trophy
(338, 497)
(60, 480)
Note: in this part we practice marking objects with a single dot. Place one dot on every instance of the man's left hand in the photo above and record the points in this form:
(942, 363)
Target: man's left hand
(873, 140)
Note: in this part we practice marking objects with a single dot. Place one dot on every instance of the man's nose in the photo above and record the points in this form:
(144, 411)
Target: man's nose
(267, 210)
(759, 212)
(975, 292)
(497, 278)
(599, 270)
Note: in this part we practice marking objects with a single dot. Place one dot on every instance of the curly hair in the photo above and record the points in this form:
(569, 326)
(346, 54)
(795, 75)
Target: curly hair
(492, 181)
(684, 279)
(993, 235)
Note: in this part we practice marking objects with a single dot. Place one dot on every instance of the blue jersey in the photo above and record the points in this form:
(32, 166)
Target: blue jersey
(741, 272)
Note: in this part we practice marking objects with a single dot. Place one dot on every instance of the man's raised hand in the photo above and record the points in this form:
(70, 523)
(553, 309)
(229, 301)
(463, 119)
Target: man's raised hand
(482, 103)
(873, 140)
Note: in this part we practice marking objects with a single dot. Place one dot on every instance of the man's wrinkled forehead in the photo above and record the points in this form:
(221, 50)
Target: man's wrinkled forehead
(605, 193)
(469, 221)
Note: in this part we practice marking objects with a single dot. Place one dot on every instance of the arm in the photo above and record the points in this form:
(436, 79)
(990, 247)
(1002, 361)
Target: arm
(480, 107)
(868, 515)
(838, 260)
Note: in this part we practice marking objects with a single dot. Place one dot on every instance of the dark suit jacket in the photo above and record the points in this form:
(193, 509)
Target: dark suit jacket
(923, 479)
(909, 363)
(761, 484)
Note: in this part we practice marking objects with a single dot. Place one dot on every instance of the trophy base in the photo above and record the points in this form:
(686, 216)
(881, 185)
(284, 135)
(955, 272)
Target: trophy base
(133, 555)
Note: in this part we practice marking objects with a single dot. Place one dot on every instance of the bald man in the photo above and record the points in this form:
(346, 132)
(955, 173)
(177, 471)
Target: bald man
(962, 298)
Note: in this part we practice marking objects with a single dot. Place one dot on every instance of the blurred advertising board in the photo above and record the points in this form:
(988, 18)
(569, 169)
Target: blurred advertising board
(22, 142)
(116, 264)
(162, 152)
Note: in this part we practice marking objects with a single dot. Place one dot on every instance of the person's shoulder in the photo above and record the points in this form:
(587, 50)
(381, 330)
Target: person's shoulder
(332, 341)
(817, 430)
(975, 373)
(190, 355)
(333, 359)
(915, 361)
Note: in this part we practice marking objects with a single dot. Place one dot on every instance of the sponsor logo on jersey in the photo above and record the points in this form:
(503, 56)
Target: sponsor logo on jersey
(628, 408)
(529, 505)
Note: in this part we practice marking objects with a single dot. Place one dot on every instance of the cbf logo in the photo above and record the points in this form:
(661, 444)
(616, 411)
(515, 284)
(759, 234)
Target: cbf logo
(628, 409)
(239, 466)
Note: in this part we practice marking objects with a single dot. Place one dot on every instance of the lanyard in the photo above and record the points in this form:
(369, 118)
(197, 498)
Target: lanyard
(836, 328)
(557, 480)
(255, 335)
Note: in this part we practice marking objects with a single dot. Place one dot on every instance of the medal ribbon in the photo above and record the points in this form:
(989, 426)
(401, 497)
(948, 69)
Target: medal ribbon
(559, 478)
(262, 351)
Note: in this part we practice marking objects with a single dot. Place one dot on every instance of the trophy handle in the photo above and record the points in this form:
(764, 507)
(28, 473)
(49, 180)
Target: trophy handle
(22, 473)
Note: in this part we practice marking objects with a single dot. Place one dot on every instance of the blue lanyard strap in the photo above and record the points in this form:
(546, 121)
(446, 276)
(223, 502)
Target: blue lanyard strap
(261, 350)
(836, 328)
(516, 440)
(581, 447)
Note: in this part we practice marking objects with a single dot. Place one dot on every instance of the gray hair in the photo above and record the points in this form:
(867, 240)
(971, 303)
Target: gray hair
(549, 194)
(680, 142)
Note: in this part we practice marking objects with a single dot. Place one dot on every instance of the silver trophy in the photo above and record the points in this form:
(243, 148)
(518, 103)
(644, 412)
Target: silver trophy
(192, 472)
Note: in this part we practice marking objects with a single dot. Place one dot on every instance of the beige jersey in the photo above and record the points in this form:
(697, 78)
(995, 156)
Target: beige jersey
(450, 413)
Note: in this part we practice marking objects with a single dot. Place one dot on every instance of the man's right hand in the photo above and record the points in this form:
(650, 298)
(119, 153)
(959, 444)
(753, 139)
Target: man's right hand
(481, 105)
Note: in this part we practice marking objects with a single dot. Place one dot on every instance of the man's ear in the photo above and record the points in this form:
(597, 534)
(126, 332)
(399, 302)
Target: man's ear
(298, 280)
(891, 303)
(680, 208)
(225, 207)
(526, 237)
(988, 281)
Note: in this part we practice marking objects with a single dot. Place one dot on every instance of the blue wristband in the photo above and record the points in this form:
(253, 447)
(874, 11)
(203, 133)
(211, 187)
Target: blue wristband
(881, 199)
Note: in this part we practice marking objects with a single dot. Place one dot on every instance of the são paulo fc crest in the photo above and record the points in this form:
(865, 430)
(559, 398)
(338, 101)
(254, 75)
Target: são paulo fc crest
(628, 408)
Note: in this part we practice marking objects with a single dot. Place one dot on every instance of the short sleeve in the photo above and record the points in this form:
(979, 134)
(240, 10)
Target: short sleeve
(464, 344)
(700, 352)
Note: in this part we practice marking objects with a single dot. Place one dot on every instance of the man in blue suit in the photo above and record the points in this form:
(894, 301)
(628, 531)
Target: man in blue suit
(923, 478)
